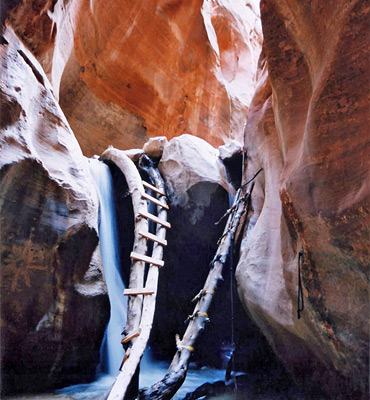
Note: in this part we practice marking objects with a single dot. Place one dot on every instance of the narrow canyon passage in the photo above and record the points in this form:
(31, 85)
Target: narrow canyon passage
(210, 93)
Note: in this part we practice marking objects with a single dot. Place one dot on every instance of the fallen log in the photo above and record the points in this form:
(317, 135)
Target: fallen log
(136, 188)
(176, 374)
(137, 269)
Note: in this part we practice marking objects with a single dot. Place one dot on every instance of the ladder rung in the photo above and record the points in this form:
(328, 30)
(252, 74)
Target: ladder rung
(130, 336)
(126, 356)
(154, 200)
(137, 291)
(155, 219)
(147, 259)
(155, 189)
(154, 238)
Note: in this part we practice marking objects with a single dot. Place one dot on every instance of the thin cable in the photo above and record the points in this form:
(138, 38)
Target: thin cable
(231, 260)
(300, 300)
(243, 154)
(243, 163)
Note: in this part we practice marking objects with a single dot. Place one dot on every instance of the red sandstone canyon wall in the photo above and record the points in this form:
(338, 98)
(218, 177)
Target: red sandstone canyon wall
(308, 129)
(126, 71)
(123, 72)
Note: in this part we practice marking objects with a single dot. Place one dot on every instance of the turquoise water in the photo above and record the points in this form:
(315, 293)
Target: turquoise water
(194, 379)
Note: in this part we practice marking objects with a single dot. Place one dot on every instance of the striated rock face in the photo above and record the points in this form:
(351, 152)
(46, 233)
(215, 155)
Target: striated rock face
(126, 72)
(307, 128)
(52, 294)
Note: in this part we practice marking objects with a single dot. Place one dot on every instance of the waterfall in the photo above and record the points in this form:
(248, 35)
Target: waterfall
(111, 352)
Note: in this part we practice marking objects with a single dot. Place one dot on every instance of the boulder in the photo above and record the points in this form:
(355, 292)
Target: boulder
(193, 172)
(155, 146)
(230, 150)
(52, 292)
(231, 155)
(307, 128)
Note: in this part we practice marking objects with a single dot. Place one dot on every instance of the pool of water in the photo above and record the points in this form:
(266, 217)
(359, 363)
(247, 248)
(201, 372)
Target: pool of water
(94, 390)
(195, 378)
(250, 386)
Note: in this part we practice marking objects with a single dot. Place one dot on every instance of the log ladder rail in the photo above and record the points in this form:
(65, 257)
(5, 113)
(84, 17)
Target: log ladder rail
(142, 295)
(166, 388)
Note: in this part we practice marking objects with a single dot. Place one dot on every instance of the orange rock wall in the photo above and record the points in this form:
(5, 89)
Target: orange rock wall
(126, 71)
(308, 129)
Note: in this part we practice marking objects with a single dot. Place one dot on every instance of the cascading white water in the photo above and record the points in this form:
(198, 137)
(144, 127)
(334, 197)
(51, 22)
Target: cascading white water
(111, 350)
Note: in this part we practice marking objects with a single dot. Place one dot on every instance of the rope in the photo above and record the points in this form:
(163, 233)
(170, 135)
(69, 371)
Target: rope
(300, 300)
(202, 313)
(231, 260)
(243, 160)
(191, 317)
(239, 198)
(202, 293)
(181, 347)
(226, 214)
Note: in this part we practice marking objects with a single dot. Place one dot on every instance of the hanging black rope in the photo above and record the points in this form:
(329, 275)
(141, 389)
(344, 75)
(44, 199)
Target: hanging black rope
(300, 301)
(231, 260)
(230, 371)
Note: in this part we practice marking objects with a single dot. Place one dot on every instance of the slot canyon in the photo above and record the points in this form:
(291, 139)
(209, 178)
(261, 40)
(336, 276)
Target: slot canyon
(267, 100)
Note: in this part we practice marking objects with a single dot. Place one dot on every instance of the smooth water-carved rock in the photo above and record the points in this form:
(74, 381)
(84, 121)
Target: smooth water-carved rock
(125, 73)
(52, 293)
(155, 146)
(193, 172)
(307, 129)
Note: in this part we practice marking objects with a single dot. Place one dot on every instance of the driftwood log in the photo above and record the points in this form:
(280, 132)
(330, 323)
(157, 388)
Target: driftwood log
(136, 188)
(140, 311)
(176, 374)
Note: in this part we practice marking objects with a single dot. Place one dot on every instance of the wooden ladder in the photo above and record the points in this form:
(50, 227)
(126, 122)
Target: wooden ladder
(142, 295)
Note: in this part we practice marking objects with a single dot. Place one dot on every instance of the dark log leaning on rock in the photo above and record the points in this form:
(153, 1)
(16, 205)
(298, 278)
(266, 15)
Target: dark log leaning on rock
(142, 295)
(176, 374)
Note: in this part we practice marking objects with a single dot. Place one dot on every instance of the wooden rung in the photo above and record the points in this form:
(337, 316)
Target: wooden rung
(154, 238)
(154, 200)
(126, 356)
(155, 219)
(130, 336)
(155, 189)
(133, 292)
(147, 259)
